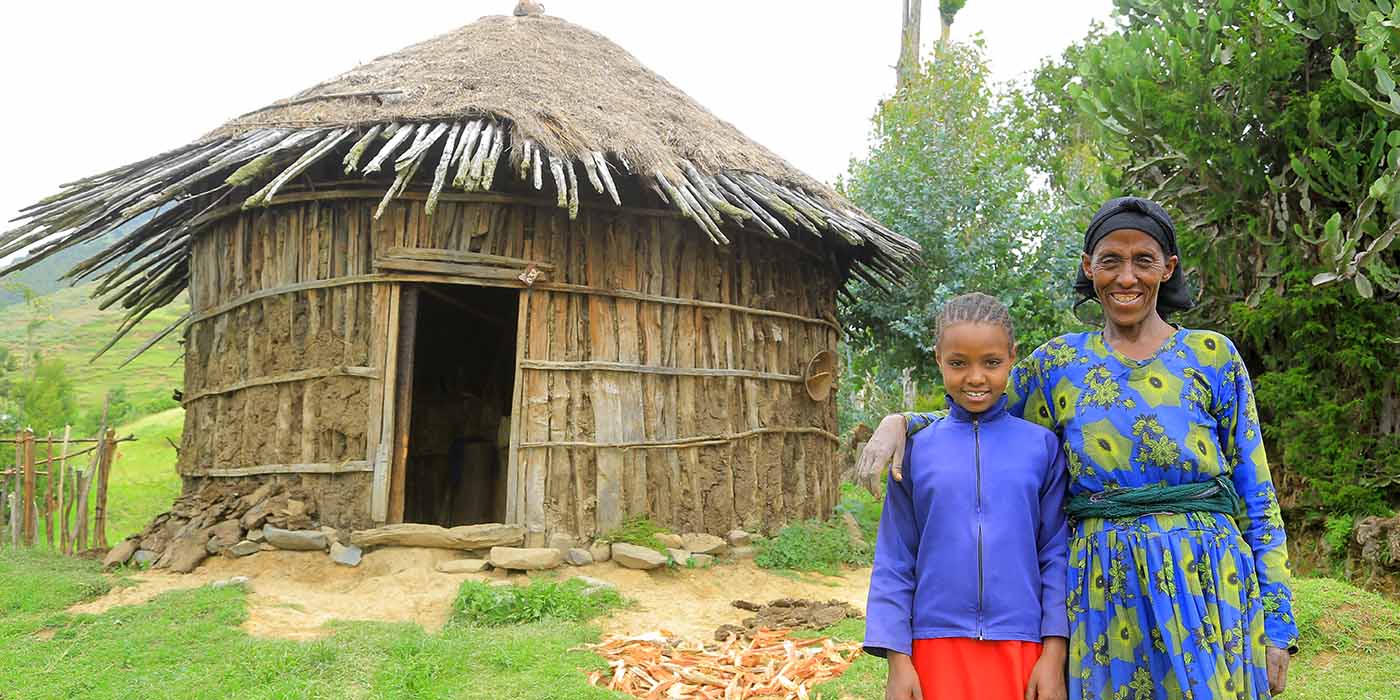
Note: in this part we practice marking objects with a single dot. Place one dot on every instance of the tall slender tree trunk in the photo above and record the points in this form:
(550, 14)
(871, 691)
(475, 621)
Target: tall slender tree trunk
(908, 65)
(947, 10)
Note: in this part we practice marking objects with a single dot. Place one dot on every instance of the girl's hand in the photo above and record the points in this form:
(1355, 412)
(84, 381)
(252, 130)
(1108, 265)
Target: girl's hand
(885, 449)
(1047, 681)
(1277, 661)
(903, 682)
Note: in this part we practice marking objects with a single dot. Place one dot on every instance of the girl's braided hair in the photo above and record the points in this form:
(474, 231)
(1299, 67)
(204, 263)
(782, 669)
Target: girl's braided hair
(975, 308)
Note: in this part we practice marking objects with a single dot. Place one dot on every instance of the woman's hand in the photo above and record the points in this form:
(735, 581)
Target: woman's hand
(1277, 661)
(902, 682)
(1047, 681)
(885, 449)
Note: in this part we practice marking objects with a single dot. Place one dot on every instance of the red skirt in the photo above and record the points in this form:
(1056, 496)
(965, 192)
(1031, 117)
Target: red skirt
(970, 669)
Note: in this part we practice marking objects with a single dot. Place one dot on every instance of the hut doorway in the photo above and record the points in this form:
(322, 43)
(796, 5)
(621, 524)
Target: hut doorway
(461, 359)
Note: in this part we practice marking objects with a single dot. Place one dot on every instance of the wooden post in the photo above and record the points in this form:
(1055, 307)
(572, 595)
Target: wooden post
(106, 451)
(403, 402)
(84, 483)
(80, 524)
(14, 500)
(27, 500)
(63, 501)
(48, 491)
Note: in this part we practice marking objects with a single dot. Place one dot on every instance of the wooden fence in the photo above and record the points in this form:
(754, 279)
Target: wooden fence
(53, 481)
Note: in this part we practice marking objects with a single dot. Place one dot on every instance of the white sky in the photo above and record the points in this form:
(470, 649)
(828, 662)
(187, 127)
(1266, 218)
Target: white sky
(87, 86)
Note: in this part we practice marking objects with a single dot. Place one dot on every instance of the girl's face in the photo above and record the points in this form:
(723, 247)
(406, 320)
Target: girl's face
(1128, 267)
(975, 359)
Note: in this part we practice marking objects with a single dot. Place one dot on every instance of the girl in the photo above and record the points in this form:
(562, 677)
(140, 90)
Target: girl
(967, 597)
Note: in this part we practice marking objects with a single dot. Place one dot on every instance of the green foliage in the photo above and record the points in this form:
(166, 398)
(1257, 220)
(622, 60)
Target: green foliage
(864, 507)
(1267, 130)
(1327, 369)
(812, 545)
(871, 388)
(638, 530)
(826, 546)
(949, 169)
(45, 400)
(1337, 533)
(948, 9)
(482, 604)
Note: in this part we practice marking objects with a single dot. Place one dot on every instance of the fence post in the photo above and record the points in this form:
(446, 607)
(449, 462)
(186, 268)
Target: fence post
(63, 501)
(30, 512)
(15, 478)
(107, 450)
(48, 490)
(80, 522)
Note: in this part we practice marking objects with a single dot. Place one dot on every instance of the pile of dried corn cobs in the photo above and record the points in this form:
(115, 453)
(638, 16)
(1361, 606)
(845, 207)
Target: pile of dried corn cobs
(768, 664)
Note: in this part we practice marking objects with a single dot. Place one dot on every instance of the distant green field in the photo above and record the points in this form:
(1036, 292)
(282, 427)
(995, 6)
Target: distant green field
(74, 329)
(143, 481)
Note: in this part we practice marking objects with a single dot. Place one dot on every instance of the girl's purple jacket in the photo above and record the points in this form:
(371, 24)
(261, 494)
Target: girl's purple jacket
(972, 542)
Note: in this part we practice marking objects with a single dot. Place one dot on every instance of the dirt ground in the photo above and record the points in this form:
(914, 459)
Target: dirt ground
(293, 594)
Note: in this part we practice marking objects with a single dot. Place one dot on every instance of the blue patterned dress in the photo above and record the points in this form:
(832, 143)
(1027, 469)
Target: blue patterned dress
(1163, 607)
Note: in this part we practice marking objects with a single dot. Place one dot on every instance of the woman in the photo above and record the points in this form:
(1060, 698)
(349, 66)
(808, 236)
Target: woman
(1178, 570)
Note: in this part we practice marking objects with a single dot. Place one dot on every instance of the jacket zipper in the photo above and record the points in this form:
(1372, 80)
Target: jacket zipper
(977, 460)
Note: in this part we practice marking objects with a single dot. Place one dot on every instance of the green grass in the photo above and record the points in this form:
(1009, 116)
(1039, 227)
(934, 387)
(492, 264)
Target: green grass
(482, 604)
(1350, 642)
(188, 644)
(74, 329)
(144, 482)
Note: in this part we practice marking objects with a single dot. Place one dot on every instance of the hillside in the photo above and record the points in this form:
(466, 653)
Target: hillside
(73, 329)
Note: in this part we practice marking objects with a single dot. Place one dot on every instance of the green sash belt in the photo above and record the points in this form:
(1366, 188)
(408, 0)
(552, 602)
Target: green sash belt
(1215, 496)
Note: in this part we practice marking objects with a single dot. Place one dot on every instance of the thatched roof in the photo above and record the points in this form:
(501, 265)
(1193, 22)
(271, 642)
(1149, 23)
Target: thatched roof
(553, 102)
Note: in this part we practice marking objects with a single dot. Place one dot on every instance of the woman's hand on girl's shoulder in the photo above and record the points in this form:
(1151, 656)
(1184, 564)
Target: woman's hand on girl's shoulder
(902, 683)
(885, 449)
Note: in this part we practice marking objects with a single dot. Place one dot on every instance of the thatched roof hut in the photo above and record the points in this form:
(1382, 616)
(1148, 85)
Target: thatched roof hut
(506, 274)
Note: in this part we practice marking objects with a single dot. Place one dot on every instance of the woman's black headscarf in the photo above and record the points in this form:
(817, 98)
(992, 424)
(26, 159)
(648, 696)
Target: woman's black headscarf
(1150, 218)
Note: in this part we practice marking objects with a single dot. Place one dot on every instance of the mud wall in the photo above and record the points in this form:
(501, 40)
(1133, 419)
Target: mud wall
(268, 383)
(721, 435)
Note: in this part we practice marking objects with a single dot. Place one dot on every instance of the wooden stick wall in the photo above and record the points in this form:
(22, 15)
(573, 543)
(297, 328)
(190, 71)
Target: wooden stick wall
(742, 467)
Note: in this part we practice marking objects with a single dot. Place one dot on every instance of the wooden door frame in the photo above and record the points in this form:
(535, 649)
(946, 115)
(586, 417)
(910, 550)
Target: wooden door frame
(390, 455)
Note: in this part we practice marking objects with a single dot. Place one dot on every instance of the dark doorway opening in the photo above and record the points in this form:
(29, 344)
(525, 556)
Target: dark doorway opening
(463, 382)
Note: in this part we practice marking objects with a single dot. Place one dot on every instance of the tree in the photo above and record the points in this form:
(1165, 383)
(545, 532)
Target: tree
(1272, 132)
(45, 399)
(947, 169)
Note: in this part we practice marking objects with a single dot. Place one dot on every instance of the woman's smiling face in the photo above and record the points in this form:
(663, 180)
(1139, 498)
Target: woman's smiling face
(1128, 267)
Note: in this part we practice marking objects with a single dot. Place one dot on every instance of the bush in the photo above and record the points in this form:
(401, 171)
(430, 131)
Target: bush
(638, 530)
(812, 545)
(1338, 534)
(864, 507)
(481, 604)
